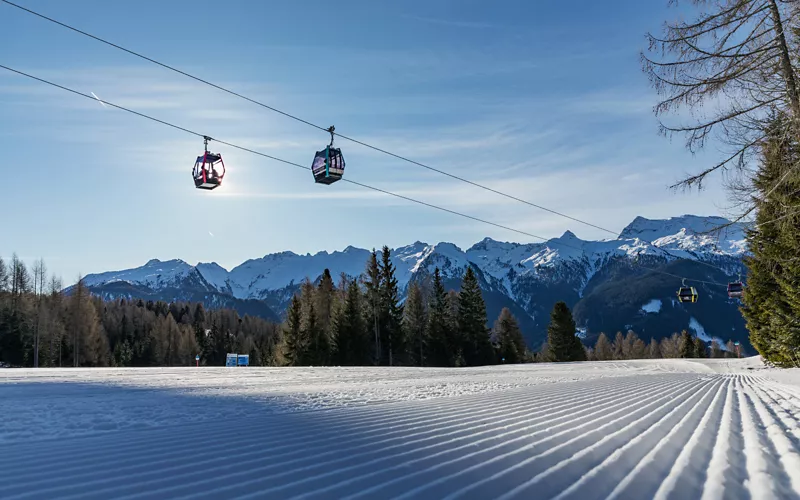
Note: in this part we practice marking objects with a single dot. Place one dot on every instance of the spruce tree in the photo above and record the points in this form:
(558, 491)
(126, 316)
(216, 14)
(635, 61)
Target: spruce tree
(563, 343)
(352, 342)
(392, 335)
(438, 327)
(199, 323)
(475, 344)
(324, 299)
(415, 325)
(687, 346)
(318, 344)
(602, 349)
(699, 348)
(455, 340)
(373, 308)
(295, 341)
(771, 298)
(511, 344)
(325, 303)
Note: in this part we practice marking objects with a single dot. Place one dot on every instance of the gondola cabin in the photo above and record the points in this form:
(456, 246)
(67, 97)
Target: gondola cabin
(687, 294)
(209, 169)
(735, 289)
(328, 166)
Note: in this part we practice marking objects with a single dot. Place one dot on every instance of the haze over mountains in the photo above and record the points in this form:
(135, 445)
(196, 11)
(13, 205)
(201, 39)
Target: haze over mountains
(610, 284)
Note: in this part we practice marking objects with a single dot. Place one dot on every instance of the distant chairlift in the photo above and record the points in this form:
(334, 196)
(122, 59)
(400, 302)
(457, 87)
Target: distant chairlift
(687, 293)
(328, 166)
(205, 173)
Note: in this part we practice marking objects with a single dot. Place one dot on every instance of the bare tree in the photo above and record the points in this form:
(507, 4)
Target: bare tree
(20, 281)
(55, 298)
(39, 278)
(733, 67)
(4, 278)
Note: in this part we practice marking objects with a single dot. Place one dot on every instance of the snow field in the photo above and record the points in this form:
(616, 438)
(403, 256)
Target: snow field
(667, 429)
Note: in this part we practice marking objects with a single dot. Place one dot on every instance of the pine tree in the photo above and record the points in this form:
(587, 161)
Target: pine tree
(602, 348)
(414, 324)
(471, 322)
(352, 341)
(438, 327)
(687, 346)
(511, 344)
(392, 334)
(564, 344)
(699, 348)
(294, 335)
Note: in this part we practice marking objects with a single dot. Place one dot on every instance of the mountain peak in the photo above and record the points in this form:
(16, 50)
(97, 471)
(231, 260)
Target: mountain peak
(568, 235)
(650, 229)
(447, 248)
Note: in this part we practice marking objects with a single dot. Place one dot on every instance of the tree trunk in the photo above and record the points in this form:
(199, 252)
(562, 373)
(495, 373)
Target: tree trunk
(786, 63)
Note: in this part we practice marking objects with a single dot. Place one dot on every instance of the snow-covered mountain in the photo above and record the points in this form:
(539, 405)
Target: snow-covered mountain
(528, 277)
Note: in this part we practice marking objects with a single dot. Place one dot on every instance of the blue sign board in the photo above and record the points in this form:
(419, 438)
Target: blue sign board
(244, 359)
(230, 360)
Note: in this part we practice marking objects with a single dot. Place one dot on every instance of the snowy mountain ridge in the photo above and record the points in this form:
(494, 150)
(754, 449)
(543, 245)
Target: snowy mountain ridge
(673, 238)
(526, 276)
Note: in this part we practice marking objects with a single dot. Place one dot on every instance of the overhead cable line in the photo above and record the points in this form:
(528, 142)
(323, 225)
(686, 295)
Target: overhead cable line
(297, 165)
(301, 120)
(326, 129)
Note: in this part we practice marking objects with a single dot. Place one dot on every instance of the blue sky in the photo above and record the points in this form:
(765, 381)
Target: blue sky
(542, 100)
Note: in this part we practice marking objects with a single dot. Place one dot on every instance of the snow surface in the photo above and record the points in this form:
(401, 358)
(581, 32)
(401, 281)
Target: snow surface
(718, 428)
(654, 306)
(700, 332)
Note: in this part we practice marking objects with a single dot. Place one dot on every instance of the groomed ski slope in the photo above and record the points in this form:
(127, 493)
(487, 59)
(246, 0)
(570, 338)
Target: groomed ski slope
(682, 429)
